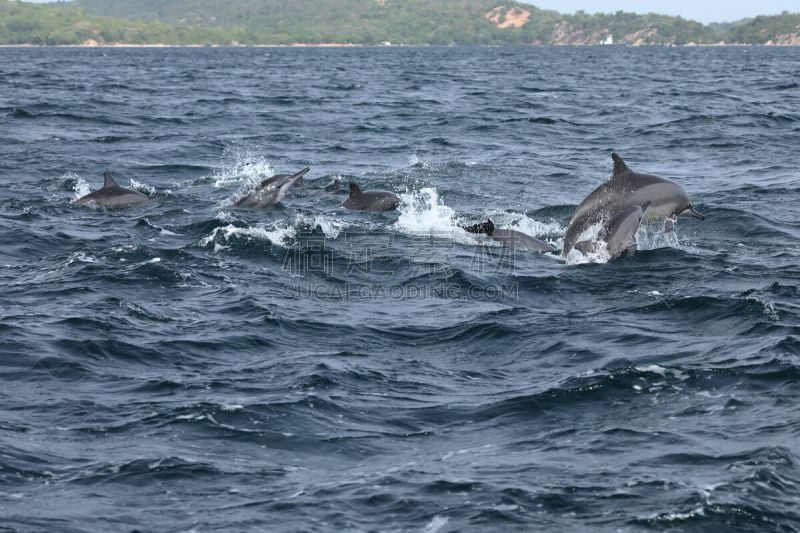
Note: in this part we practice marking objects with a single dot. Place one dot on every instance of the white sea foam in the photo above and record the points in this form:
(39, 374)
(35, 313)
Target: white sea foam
(242, 164)
(653, 237)
(275, 235)
(81, 257)
(658, 369)
(280, 233)
(225, 216)
(423, 213)
(521, 222)
(436, 524)
(672, 517)
(529, 226)
(143, 188)
(648, 237)
(332, 228)
(414, 160)
(769, 307)
(81, 187)
(598, 253)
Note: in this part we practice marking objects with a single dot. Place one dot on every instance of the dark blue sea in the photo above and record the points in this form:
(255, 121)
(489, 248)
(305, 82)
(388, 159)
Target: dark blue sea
(187, 366)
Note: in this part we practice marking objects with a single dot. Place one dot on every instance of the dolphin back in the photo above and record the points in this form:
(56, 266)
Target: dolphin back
(370, 200)
(522, 241)
(112, 195)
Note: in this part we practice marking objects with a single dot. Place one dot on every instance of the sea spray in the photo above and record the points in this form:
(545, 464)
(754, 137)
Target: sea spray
(597, 253)
(278, 233)
(143, 188)
(653, 236)
(79, 185)
(648, 237)
(242, 163)
(423, 213)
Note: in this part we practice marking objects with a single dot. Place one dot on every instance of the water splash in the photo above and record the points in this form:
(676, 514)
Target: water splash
(423, 213)
(279, 233)
(596, 253)
(529, 226)
(79, 185)
(143, 188)
(648, 237)
(654, 236)
(243, 163)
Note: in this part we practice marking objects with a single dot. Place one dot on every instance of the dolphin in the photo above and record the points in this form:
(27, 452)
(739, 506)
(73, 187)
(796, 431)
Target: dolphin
(112, 195)
(510, 237)
(271, 190)
(625, 189)
(619, 233)
(370, 200)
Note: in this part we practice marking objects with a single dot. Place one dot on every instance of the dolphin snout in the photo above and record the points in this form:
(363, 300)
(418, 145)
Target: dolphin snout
(690, 211)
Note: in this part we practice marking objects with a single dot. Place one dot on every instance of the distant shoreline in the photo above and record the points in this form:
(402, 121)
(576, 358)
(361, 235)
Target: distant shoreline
(351, 45)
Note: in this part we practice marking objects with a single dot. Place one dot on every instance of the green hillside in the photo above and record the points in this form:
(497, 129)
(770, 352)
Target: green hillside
(64, 24)
(353, 21)
(781, 29)
(361, 22)
(406, 21)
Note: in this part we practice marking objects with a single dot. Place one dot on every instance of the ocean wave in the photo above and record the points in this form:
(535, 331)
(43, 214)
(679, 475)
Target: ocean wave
(283, 233)
(190, 365)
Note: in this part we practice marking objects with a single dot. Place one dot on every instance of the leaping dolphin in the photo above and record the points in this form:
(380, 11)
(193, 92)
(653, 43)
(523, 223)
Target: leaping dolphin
(112, 195)
(370, 200)
(625, 189)
(271, 190)
(619, 233)
(510, 237)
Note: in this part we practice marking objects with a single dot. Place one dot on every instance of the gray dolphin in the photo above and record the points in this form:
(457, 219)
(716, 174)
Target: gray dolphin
(510, 237)
(370, 200)
(619, 233)
(625, 189)
(271, 190)
(112, 195)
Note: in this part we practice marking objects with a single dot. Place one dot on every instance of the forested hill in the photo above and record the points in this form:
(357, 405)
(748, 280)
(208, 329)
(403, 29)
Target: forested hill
(363, 22)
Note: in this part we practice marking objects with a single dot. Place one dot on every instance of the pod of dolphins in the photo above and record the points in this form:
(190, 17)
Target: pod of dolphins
(619, 206)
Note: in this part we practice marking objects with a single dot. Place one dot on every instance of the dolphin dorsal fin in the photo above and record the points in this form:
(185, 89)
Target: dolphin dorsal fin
(489, 227)
(355, 190)
(619, 165)
(108, 180)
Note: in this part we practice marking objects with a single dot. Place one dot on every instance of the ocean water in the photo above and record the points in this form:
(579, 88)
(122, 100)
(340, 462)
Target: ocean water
(183, 365)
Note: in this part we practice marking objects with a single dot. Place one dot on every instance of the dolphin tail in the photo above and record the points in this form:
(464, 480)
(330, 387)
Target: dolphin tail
(108, 180)
(485, 228)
